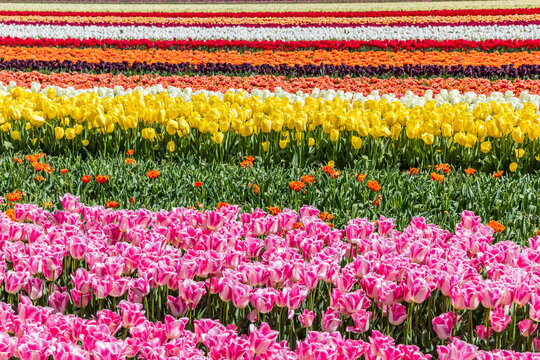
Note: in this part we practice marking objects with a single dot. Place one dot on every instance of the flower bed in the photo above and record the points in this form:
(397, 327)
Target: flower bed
(287, 271)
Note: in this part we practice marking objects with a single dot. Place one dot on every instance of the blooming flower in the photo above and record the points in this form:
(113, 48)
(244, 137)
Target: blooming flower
(153, 174)
(102, 179)
(86, 178)
(469, 171)
(374, 185)
(496, 226)
(308, 179)
(197, 184)
(296, 185)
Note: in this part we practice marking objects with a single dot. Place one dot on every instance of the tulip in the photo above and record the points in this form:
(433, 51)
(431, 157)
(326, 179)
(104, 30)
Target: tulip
(527, 327)
(330, 320)
(444, 324)
(306, 318)
(397, 314)
(261, 339)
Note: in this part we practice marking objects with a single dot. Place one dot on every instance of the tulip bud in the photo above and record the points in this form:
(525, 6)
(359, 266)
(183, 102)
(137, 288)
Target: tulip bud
(485, 147)
(171, 146)
(58, 133)
(15, 135)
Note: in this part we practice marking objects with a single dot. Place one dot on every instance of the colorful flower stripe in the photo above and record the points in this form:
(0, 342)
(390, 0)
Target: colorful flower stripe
(179, 119)
(221, 83)
(273, 58)
(530, 44)
(269, 21)
(264, 33)
(247, 24)
(314, 14)
(409, 100)
(523, 71)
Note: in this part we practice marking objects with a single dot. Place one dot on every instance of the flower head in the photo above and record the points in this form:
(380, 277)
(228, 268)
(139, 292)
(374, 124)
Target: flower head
(469, 171)
(498, 174)
(374, 185)
(413, 171)
(86, 178)
(130, 152)
(102, 179)
(437, 177)
(153, 174)
(197, 184)
(296, 185)
(63, 171)
(308, 179)
(111, 204)
(496, 226)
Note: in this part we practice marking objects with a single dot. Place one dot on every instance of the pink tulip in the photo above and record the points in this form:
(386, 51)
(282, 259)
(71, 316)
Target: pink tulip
(173, 327)
(482, 332)
(52, 267)
(534, 307)
(177, 306)
(34, 349)
(7, 346)
(261, 339)
(306, 318)
(115, 350)
(34, 288)
(444, 324)
(59, 301)
(80, 300)
(469, 221)
(361, 322)
(498, 319)
(330, 320)
(397, 314)
(70, 203)
(457, 350)
(527, 327)
(263, 299)
(14, 281)
(191, 291)
(132, 313)
(536, 344)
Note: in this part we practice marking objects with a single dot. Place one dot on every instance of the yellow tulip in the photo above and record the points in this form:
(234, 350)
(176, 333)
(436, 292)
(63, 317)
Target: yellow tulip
(58, 133)
(37, 120)
(519, 153)
(78, 129)
(447, 130)
(265, 146)
(517, 135)
(485, 147)
(428, 138)
(537, 158)
(513, 167)
(171, 146)
(332, 163)
(283, 143)
(356, 142)
(311, 142)
(70, 133)
(85, 142)
(334, 135)
(15, 135)
(218, 137)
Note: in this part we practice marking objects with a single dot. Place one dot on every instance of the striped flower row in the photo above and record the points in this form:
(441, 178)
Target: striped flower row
(410, 100)
(221, 83)
(265, 33)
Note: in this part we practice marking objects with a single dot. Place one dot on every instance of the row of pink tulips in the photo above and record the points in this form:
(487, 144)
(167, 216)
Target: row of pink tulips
(40, 333)
(422, 286)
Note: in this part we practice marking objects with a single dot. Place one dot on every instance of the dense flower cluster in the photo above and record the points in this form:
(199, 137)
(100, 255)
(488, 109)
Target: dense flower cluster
(227, 263)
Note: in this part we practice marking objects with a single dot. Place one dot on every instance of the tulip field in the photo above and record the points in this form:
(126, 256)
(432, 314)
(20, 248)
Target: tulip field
(266, 182)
